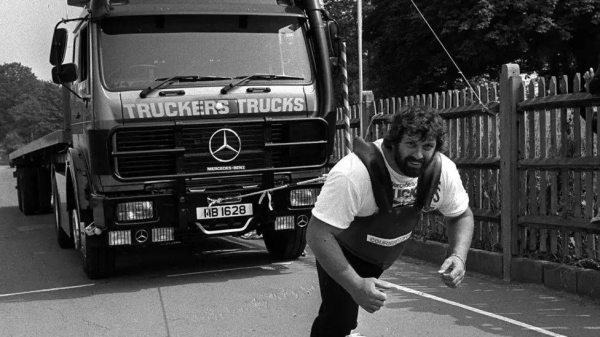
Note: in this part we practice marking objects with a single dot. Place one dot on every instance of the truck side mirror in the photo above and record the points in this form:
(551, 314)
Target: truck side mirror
(65, 73)
(59, 46)
(78, 3)
(334, 38)
(334, 42)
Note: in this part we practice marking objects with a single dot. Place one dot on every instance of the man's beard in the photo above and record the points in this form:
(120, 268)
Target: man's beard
(412, 172)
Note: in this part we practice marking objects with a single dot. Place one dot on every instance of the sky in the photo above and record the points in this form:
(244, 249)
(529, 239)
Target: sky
(26, 28)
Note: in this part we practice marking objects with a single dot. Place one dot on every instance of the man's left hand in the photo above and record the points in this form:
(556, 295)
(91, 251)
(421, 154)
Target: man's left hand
(452, 271)
(587, 78)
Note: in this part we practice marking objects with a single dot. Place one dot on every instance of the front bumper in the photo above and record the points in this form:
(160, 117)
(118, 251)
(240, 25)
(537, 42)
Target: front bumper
(175, 217)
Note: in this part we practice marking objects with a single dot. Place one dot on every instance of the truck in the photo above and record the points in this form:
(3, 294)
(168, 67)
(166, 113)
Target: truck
(184, 120)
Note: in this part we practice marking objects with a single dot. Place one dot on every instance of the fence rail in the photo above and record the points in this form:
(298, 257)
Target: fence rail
(529, 160)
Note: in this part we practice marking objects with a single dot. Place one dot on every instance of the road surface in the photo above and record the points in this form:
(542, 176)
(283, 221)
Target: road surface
(231, 287)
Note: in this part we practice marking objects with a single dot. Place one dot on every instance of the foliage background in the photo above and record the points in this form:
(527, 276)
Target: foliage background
(401, 56)
(29, 108)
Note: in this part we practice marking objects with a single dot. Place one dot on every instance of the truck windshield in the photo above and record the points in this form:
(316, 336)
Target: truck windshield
(136, 51)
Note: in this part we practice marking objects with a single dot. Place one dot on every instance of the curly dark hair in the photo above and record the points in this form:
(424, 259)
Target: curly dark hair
(416, 120)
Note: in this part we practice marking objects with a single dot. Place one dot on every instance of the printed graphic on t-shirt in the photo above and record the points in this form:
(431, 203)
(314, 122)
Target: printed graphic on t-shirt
(387, 242)
(405, 194)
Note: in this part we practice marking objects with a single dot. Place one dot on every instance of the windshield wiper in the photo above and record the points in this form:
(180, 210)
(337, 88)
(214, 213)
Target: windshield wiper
(245, 78)
(166, 81)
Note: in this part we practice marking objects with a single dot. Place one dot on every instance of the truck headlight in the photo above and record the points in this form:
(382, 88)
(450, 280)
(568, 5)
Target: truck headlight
(119, 238)
(134, 211)
(303, 197)
(162, 234)
(284, 222)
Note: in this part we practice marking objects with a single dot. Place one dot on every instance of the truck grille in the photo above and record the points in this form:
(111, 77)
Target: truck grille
(195, 150)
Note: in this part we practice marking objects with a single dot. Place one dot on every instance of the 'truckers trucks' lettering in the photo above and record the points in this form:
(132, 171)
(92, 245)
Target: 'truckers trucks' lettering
(214, 108)
(144, 156)
(177, 109)
(275, 104)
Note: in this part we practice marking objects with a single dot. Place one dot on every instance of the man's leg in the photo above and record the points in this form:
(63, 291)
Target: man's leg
(338, 312)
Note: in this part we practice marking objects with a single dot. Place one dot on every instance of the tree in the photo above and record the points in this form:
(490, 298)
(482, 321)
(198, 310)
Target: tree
(545, 36)
(345, 13)
(29, 108)
(12, 141)
(15, 80)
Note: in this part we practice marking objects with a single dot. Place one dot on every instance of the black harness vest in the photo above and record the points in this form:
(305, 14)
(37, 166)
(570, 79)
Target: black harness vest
(380, 238)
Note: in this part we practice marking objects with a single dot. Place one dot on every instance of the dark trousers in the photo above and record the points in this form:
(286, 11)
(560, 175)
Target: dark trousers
(338, 312)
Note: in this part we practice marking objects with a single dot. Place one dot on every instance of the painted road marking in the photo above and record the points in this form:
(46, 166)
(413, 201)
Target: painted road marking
(46, 290)
(272, 266)
(479, 311)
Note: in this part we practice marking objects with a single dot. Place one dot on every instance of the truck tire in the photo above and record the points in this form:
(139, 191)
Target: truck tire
(19, 197)
(44, 190)
(27, 189)
(34, 190)
(98, 262)
(63, 239)
(286, 244)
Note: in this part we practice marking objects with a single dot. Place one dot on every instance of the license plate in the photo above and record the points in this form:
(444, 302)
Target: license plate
(223, 211)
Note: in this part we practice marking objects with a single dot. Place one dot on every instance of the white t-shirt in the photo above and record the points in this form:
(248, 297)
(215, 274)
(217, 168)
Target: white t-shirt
(347, 193)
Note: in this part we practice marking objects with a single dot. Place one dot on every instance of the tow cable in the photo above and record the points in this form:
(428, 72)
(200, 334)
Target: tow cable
(267, 192)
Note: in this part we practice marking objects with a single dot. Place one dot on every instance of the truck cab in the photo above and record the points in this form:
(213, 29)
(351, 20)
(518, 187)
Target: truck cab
(186, 120)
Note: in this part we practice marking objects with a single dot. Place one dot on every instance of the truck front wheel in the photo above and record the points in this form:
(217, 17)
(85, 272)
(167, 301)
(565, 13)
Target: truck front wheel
(98, 262)
(286, 244)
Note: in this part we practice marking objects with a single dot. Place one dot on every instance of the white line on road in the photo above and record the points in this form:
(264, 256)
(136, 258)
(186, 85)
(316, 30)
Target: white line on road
(46, 290)
(216, 271)
(479, 311)
(272, 266)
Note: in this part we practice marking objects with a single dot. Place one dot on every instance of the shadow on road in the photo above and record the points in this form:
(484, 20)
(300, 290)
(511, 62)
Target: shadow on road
(31, 263)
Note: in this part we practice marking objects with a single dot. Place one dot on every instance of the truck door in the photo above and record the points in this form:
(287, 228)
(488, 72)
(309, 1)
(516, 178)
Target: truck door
(81, 108)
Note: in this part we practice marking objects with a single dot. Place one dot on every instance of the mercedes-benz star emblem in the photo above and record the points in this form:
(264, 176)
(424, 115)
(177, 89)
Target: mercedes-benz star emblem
(141, 236)
(302, 220)
(225, 145)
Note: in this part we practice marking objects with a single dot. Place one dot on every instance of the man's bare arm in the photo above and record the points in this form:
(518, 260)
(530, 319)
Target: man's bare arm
(460, 234)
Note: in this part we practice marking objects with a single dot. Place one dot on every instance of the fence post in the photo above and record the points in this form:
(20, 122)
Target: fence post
(368, 111)
(509, 180)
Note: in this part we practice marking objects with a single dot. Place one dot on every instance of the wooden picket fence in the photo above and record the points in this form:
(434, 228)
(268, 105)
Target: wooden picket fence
(529, 160)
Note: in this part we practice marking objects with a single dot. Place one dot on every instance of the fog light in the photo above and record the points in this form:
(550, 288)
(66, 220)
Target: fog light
(162, 234)
(119, 238)
(134, 211)
(284, 222)
(303, 197)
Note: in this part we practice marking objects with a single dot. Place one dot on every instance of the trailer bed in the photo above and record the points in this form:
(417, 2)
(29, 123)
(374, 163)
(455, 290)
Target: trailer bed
(41, 146)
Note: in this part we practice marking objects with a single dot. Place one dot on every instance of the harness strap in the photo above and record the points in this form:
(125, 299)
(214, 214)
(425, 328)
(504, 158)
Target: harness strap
(381, 182)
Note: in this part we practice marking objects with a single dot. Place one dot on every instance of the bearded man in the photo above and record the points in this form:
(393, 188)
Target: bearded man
(368, 208)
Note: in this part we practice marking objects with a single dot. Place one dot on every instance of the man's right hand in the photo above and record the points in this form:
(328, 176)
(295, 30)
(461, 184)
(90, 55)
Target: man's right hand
(368, 296)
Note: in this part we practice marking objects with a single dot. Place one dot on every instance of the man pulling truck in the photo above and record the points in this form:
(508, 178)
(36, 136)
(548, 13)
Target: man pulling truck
(368, 208)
